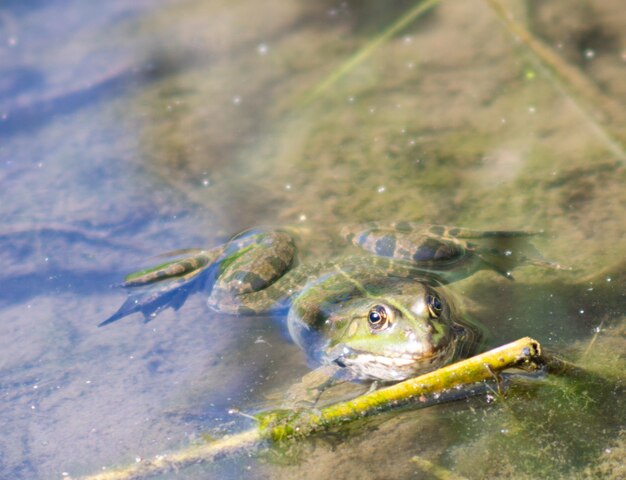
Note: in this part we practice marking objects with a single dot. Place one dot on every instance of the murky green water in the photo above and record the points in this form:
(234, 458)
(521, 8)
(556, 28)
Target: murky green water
(133, 128)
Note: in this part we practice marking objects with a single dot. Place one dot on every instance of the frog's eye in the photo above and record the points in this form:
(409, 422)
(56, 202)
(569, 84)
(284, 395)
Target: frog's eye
(378, 318)
(434, 305)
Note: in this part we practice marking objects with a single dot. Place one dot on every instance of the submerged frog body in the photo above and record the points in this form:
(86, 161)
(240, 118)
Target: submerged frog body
(386, 316)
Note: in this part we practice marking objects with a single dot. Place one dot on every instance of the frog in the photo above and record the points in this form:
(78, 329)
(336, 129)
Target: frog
(384, 314)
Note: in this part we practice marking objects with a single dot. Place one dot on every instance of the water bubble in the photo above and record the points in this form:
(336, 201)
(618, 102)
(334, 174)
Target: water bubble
(302, 217)
(381, 189)
(589, 53)
(236, 99)
(262, 49)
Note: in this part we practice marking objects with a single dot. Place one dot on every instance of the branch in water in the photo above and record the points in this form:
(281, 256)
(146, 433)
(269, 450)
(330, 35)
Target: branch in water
(277, 425)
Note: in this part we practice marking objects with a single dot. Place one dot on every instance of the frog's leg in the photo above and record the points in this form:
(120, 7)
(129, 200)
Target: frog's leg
(500, 250)
(308, 391)
(167, 284)
(182, 268)
(254, 279)
(449, 252)
(248, 263)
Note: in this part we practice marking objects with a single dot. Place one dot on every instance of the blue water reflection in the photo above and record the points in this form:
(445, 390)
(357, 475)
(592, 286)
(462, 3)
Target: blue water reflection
(77, 211)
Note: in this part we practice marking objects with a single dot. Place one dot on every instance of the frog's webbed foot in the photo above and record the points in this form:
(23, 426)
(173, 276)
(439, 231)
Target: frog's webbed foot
(503, 251)
(166, 285)
(330, 381)
(153, 300)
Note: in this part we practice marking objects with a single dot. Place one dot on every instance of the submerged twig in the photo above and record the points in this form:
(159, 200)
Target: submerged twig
(183, 458)
(277, 425)
(370, 47)
(593, 339)
(570, 81)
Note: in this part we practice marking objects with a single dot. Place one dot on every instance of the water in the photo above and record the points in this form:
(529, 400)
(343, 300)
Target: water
(135, 128)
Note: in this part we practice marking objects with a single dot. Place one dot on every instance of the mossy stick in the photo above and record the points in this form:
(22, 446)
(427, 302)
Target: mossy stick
(524, 353)
(279, 425)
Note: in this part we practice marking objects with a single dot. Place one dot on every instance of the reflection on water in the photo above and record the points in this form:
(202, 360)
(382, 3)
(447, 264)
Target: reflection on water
(157, 125)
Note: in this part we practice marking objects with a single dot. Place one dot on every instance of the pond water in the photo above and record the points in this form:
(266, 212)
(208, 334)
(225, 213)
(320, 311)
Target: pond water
(131, 128)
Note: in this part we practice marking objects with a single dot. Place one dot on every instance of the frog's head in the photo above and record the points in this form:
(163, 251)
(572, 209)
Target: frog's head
(390, 333)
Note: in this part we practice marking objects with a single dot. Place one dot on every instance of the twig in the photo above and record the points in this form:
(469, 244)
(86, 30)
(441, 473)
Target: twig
(278, 425)
(570, 81)
(370, 47)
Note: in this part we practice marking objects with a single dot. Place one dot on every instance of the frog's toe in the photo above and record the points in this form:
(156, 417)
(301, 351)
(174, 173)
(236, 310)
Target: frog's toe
(152, 301)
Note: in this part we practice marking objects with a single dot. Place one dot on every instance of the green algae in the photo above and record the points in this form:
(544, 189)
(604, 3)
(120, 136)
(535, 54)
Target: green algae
(451, 120)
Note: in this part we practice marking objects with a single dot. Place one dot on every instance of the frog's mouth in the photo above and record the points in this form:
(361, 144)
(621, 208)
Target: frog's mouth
(390, 367)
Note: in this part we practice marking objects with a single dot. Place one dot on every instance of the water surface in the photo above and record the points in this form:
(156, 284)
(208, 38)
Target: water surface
(139, 127)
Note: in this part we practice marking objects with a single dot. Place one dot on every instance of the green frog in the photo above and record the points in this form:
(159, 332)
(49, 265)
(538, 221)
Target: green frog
(385, 315)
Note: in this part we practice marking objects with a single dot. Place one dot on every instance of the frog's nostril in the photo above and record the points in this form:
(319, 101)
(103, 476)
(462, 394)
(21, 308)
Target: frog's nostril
(410, 335)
